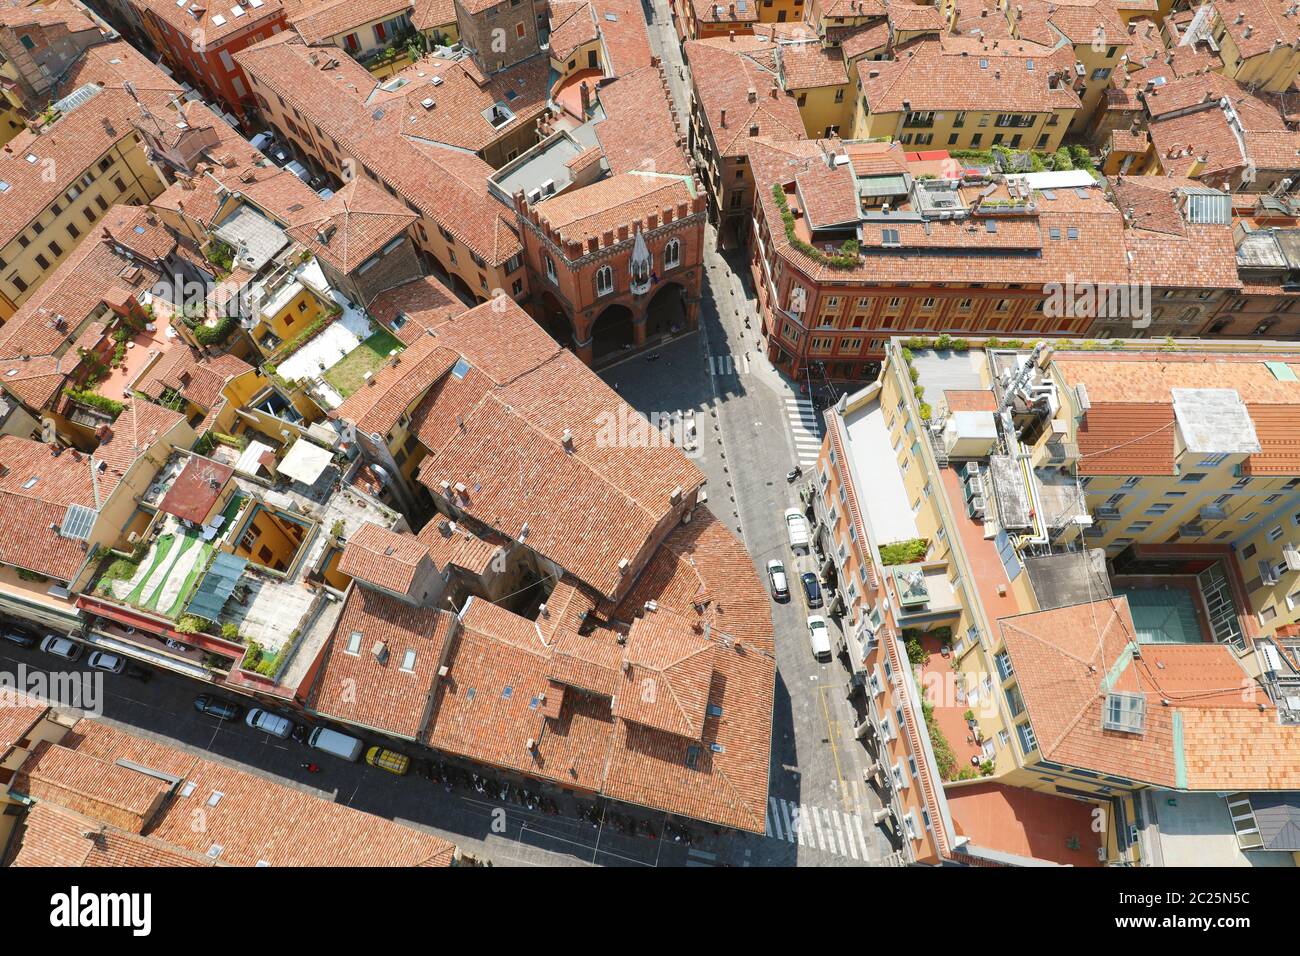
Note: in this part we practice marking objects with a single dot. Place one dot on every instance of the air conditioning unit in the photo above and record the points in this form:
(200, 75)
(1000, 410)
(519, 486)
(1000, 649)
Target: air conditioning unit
(548, 187)
(1192, 530)
(534, 195)
(975, 507)
(1106, 511)
(970, 470)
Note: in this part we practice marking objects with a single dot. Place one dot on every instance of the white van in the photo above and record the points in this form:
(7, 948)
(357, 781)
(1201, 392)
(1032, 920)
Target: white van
(273, 724)
(298, 169)
(796, 527)
(333, 742)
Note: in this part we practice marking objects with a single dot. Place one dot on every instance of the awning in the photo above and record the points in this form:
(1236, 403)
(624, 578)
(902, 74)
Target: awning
(305, 462)
(250, 459)
(217, 586)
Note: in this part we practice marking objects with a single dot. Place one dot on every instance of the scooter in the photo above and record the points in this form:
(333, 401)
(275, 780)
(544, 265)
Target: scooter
(300, 733)
(310, 767)
(794, 474)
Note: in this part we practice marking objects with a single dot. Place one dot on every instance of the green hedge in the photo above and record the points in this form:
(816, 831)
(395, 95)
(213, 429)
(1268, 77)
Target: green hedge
(945, 760)
(95, 400)
(848, 254)
(904, 552)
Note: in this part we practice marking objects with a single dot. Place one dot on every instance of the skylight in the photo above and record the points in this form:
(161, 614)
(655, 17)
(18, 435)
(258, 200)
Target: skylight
(236, 11)
(461, 368)
(78, 520)
(1125, 713)
(354, 643)
(218, 19)
(30, 482)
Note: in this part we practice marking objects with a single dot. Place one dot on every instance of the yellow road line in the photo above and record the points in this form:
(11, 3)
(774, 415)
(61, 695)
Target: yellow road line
(832, 731)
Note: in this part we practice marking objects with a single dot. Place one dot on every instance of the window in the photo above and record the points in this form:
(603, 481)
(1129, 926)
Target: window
(1212, 461)
(408, 661)
(1003, 662)
(1028, 742)
(550, 270)
(1192, 477)
(354, 644)
(604, 280)
(1125, 712)
(672, 254)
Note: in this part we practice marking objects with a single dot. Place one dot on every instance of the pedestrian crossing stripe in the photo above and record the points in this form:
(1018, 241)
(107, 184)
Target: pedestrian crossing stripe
(722, 365)
(806, 429)
(828, 830)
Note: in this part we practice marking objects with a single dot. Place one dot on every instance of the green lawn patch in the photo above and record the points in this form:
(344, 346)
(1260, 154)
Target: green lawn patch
(346, 377)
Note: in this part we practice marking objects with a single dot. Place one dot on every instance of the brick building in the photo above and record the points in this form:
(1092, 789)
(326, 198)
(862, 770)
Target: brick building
(199, 43)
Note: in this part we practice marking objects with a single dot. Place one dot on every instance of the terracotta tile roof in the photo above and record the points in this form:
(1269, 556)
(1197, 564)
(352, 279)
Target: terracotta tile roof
(810, 65)
(198, 377)
(319, 22)
(217, 20)
(376, 406)
(54, 836)
(452, 544)
(447, 185)
(95, 274)
(383, 694)
(930, 78)
(36, 488)
(904, 16)
(17, 717)
(133, 432)
(591, 663)
(723, 72)
(865, 40)
(63, 152)
(669, 671)
(459, 101)
(828, 195)
(353, 224)
(247, 818)
(591, 507)
(1262, 23)
(572, 25)
(638, 132)
(383, 558)
(123, 798)
(425, 302)
(428, 14)
(604, 205)
(1078, 23)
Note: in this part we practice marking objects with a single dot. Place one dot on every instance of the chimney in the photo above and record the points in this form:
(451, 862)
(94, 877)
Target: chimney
(567, 439)
(753, 95)
(723, 119)
(380, 650)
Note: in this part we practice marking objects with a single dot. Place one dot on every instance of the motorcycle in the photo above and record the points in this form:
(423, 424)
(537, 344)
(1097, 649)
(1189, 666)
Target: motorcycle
(300, 732)
(793, 475)
(310, 767)
(139, 673)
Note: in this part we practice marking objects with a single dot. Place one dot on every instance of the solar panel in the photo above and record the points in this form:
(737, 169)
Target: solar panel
(77, 522)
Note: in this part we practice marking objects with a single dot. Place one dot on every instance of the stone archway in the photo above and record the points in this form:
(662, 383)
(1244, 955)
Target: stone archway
(462, 290)
(552, 317)
(666, 310)
(612, 333)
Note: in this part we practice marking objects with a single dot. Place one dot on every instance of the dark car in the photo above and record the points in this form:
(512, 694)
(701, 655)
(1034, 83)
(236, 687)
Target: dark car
(16, 635)
(218, 707)
(811, 589)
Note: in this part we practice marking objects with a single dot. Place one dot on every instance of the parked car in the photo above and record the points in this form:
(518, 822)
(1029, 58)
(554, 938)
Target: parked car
(333, 742)
(811, 589)
(273, 724)
(389, 760)
(110, 663)
(796, 527)
(64, 647)
(820, 637)
(776, 577)
(16, 635)
(217, 707)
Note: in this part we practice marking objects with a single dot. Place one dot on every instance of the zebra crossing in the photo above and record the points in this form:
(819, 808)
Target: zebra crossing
(828, 830)
(726, 364)
(807, 429)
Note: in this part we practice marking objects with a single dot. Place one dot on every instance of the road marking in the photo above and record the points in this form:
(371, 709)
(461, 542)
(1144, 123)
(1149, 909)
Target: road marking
(830, 831)
(806, 429)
